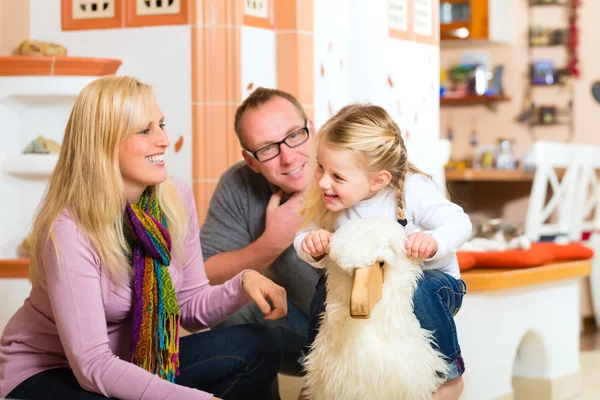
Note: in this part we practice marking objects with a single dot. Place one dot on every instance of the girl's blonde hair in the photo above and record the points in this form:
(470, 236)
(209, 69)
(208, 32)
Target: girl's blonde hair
(369, 133)
(87, 181)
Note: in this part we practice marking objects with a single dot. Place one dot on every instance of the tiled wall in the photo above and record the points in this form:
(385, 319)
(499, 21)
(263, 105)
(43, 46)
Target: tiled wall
(203, 57)
(106, 14)
(159, 55)
(239, 46)
(216, 92)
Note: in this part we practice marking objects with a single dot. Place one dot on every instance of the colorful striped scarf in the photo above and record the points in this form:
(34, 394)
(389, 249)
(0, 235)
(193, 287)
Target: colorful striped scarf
(155, 331)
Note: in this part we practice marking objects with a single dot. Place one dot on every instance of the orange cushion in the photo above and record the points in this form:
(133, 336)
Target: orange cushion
(465, 260)
(571, 251)
(538, 254)
(512, 258)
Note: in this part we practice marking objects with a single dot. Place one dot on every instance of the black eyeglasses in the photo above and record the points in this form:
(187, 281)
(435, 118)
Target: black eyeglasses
(272, 150)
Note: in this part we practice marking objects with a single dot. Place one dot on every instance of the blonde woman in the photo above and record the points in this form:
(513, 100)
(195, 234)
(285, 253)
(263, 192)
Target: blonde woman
(117, 269)
(362, 170)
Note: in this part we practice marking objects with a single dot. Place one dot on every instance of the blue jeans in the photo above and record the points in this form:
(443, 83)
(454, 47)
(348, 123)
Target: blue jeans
(290, 330)
(235, 363)
(437, 299)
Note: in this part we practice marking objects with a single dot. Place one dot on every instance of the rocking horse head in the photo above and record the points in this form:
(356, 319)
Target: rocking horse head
(372, 250)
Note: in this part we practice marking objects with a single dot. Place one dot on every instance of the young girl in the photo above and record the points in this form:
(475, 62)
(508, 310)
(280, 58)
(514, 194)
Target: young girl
(117, 268)
(362, 170)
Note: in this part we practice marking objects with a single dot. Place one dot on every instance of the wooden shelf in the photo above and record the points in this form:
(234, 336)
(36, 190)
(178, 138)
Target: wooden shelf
(53, 66)
(487, 279)
(470, 100)
(30, 166)
(490, 175)
(14, 268)
(540, 46)
(540, 4)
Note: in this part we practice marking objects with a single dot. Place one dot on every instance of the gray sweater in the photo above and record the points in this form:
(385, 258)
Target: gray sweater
(236, 218)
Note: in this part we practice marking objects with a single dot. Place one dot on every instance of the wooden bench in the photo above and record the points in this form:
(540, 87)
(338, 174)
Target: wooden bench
(519, 332)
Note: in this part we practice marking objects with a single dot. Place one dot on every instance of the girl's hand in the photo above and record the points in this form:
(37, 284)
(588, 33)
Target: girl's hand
(316, 243)
(260, 288)
(420, 245)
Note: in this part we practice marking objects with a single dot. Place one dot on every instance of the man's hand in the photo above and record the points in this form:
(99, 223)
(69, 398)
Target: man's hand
(316, 243)
(283, 220)
(420, 245)
(260, 289)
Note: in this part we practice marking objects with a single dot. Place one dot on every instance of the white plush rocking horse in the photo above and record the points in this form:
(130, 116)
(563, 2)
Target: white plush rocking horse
(380, 352)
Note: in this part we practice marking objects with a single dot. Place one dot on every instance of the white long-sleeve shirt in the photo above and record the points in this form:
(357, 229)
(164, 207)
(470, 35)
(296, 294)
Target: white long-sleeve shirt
(427, 210)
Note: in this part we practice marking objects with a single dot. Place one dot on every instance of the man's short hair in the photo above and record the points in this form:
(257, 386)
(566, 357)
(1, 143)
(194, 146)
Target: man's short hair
(258, 97)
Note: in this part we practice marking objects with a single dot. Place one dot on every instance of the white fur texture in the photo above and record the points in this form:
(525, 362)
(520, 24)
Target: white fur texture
(388, 356)
(497, 243)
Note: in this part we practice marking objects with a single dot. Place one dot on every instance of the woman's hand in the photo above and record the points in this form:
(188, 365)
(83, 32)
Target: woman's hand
(260, 289)
(420, 245)
(316, 243)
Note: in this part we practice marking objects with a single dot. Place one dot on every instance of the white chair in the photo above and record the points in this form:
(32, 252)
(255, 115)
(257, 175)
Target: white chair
(548, 157)
(586, 214)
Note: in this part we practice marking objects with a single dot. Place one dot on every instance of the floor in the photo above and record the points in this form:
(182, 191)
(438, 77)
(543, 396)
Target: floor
(289, 387)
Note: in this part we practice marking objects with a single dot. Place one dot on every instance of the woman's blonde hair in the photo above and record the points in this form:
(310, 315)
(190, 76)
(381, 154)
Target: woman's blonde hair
(87, 181)
(369, 133)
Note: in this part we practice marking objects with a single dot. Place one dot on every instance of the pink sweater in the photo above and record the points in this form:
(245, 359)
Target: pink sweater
(78, 318)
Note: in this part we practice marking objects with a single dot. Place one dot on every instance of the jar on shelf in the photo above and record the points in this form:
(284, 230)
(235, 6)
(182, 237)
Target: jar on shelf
(505, 157)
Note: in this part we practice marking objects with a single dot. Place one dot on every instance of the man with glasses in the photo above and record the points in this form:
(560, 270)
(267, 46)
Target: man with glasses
(253, 214)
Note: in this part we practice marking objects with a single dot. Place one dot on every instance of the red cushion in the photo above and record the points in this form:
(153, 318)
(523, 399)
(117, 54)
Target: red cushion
(570, 251)
(465, 260)
(512, 258)
(538, 254)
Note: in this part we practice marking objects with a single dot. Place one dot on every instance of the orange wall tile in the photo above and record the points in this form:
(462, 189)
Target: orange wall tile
(70, 24)
(216, 92)
(295, 65)
(14, 25)
(285, 15)
(234, 148)
(132, 19)
(265, 23)
(198, 65)
(305, 18)
(294, 15)
(203, 191)
(126, 15)
(294, 47)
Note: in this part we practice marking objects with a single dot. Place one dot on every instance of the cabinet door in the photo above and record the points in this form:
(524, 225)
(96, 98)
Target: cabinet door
(463, 19)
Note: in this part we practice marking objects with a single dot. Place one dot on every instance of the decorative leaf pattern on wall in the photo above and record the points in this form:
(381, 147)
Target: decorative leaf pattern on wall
(178, 144)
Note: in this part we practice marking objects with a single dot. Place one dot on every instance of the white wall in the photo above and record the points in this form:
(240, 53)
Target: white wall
(330, 58)
(371, 60)
(29, 107)
(259, 61)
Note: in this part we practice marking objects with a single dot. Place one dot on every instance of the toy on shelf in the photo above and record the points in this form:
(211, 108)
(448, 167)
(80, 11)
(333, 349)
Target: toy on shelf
(41, 145)
(37, 48)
